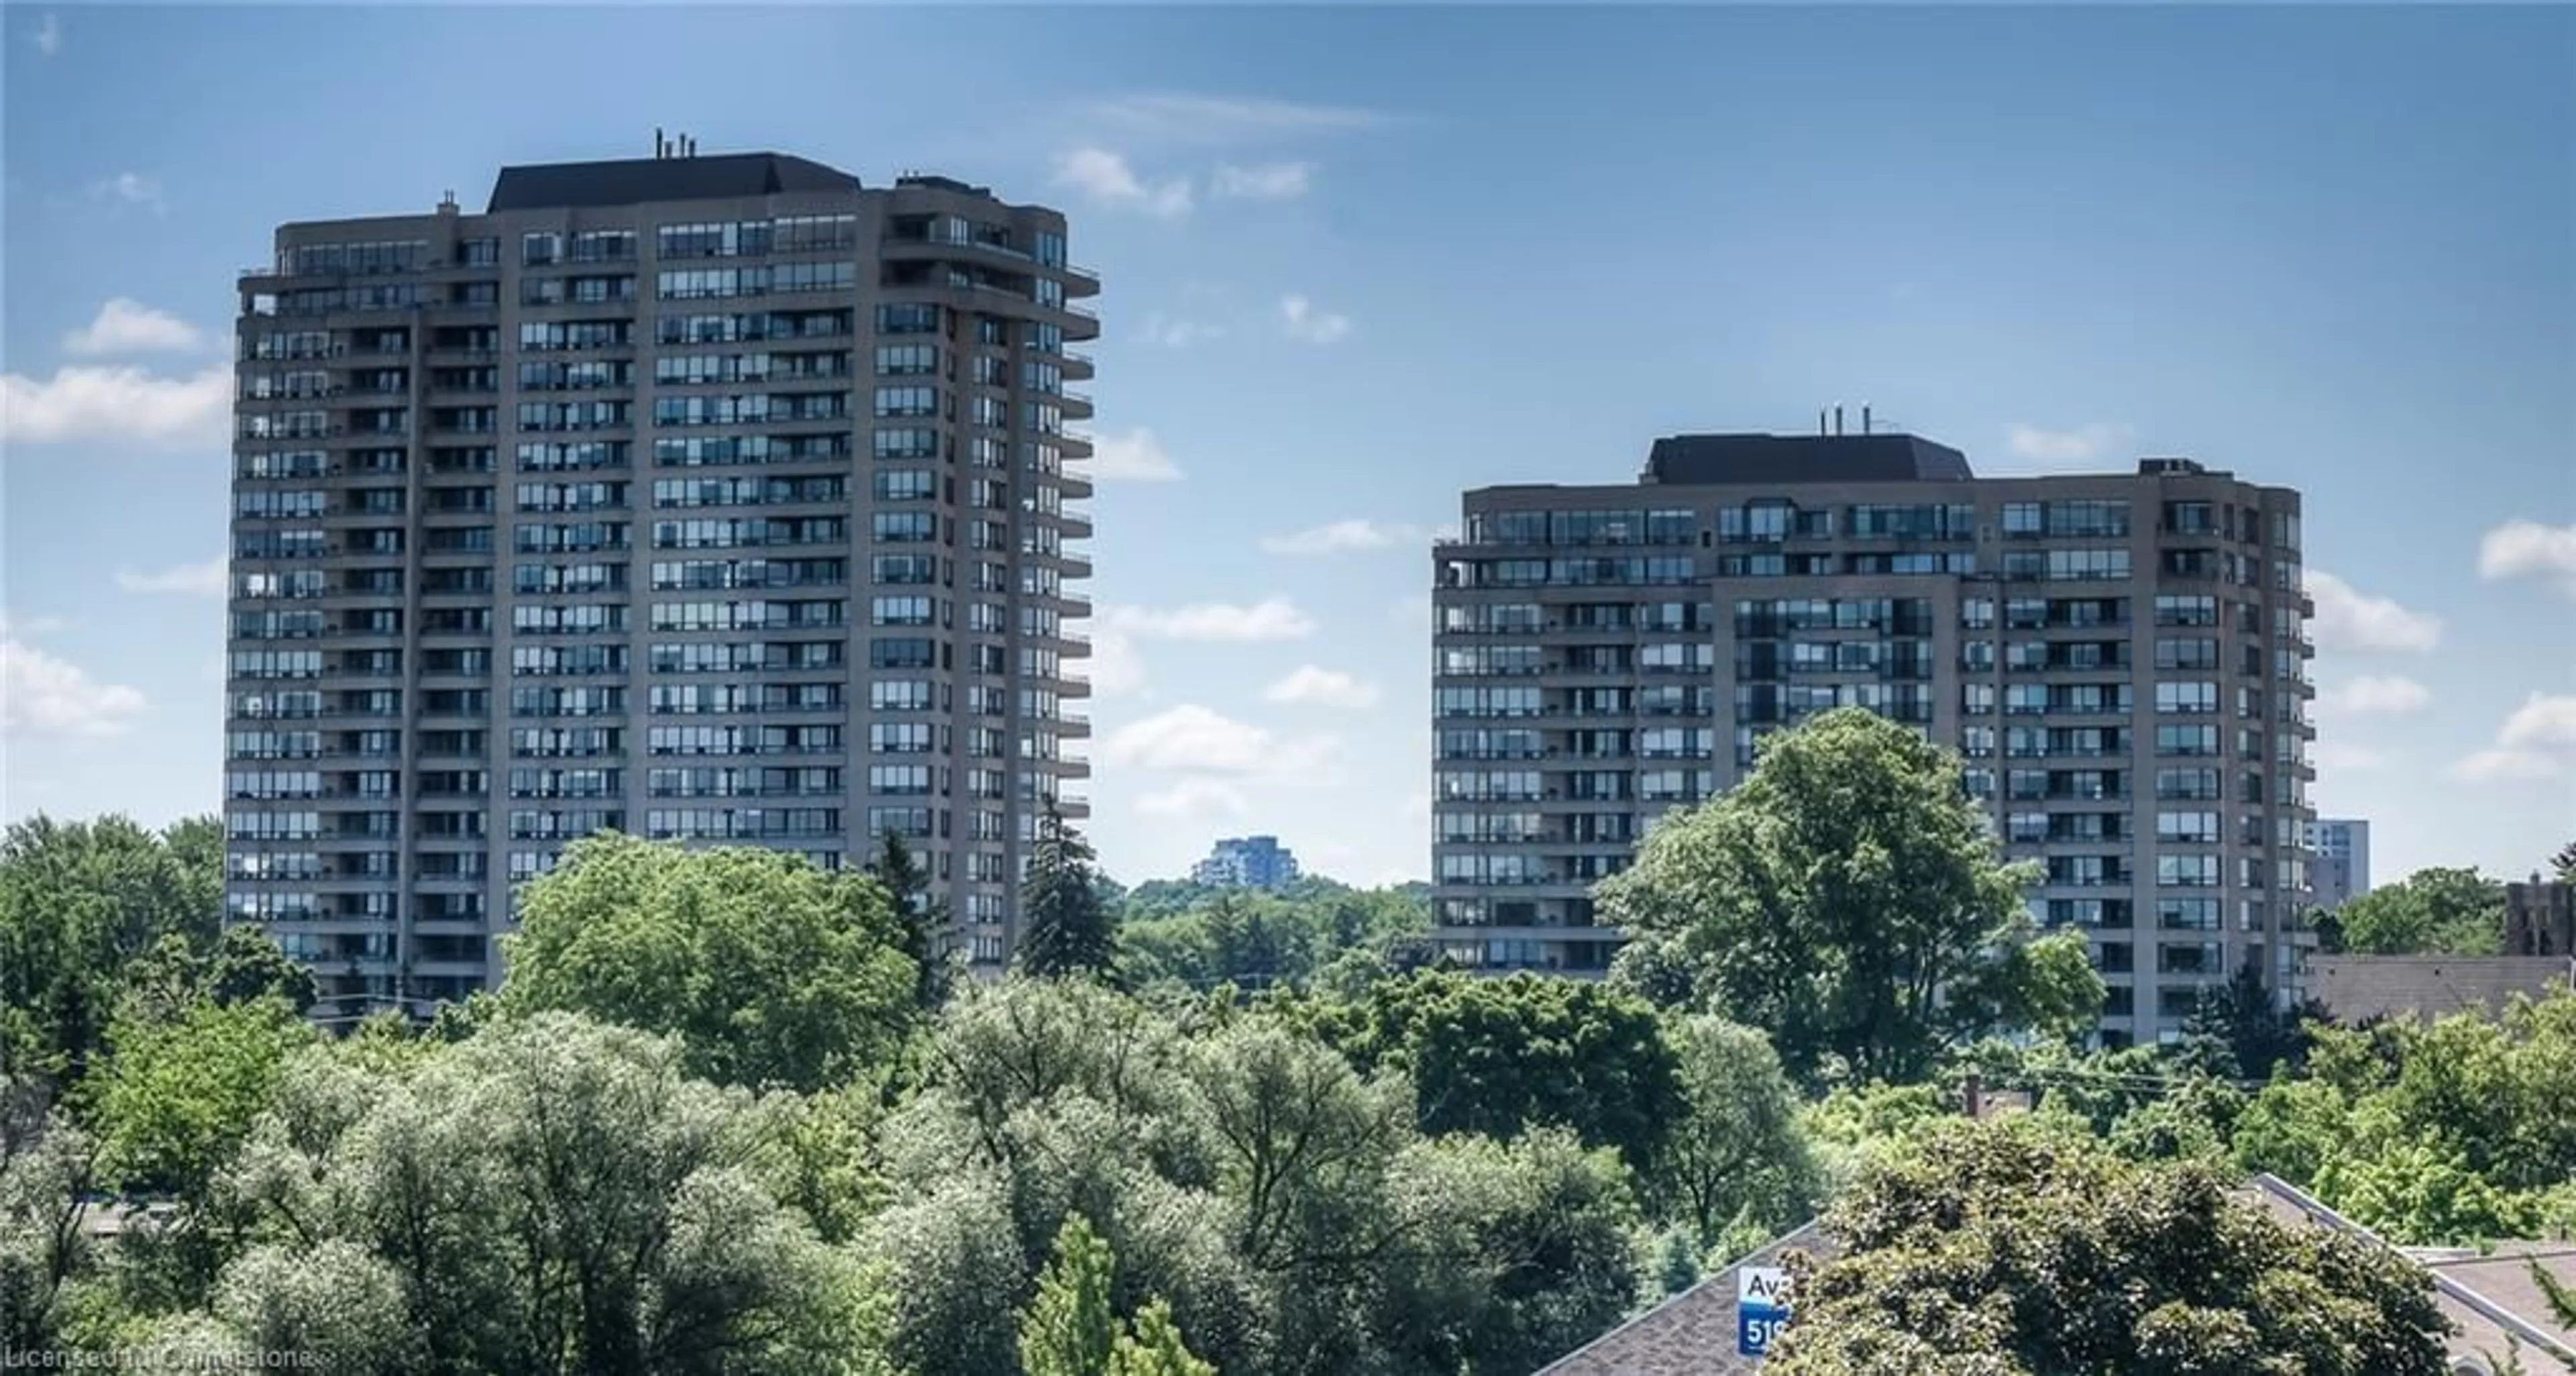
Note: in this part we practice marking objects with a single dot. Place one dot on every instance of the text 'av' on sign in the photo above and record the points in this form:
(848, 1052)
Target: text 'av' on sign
(1761, 1307)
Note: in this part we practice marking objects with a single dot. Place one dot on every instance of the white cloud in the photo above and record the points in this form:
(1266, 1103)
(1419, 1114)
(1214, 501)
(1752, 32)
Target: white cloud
(116, 403)
(194, 580)
(1134, 457)
(1195, 798)
(127, 326)
(2347, 759)
(1191, 739)
(2347, 619)
(48, 36)
(2537, 742)
(2083, 442)
(1413, 613)
(1417, 804)
(130, 188)
(1303, 322)
(1339, 536)
(1108, 180)
(2500, 766)
(1171, 332)
(1114, 668)
(1217, 118)
(2528, 549)
(1312, 686)
(41, 695)
(1274, 618)
(2383, 693)
(2544, 721)
(1271, 181)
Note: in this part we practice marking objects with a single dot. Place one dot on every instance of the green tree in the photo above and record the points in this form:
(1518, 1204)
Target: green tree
(1997, 1249)
(1155, 1348)
(2564, 865)
(1736, 1150)
(2047, 985)
(79, 901)
(2430, 912)
(1299, 1135)
(552, 1195)
(243, 965)
(2246, 1018)
(180, 1093)
(1507, 1255)
(1831, 899)
(44, 1172)
(1206, 937)
(921, 920)
(771, 970)
(1499, 1056)
(1071, 1328)
(1067, 927)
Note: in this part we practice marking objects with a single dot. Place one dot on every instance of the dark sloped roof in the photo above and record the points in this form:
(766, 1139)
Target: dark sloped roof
(2487, 1295)
(2359, 987)
(1693, 1333)
(1702, 460)
(634, 181)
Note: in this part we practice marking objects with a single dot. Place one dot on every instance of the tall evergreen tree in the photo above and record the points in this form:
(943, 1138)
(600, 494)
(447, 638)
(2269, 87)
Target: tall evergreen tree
(1070, 1328)
(923, 920)
(1156, 1348)
(1065, 926)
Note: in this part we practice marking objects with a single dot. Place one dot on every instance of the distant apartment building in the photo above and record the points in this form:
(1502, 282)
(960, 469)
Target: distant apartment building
(2340, 870)
(2120, 657)
(2540, 918)
(712, 499)
(1247, 862)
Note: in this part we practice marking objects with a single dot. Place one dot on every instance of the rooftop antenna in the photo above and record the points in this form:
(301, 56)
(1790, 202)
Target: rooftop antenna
(1838, 418)
(660, 147)
(1821, 431)
(1864, 418)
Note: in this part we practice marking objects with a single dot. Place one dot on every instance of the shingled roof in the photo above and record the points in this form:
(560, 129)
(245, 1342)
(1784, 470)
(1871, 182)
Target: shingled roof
(2487, 1294)
(1693, 1333)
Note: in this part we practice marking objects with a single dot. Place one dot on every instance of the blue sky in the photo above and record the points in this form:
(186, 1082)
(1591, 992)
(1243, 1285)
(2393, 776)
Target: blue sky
(1358, 260)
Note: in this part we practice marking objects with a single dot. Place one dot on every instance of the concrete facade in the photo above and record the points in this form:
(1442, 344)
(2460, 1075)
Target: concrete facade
(2341, 871)
(715, 499)
(2540, 918)
(2121, 657)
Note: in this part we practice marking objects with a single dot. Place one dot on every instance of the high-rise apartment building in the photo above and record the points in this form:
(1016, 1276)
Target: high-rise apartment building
(1247, 862)
(2120, 657)
(714, 499)
(2341, 868)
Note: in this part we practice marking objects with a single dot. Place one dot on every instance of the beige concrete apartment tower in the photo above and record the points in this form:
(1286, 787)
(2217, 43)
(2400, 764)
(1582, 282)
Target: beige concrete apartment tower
(718, 499)
(2120, 657)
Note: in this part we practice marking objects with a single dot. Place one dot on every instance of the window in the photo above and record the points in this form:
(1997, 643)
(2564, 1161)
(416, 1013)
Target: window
(909, 317)
(898, 778)
(2088, 564)
(2186, 740)
(2186, 697)
(907, 401)
(907, 360)
(896, 527)
(2187, 871)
